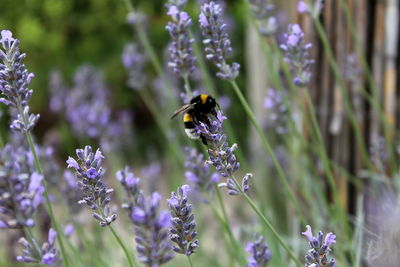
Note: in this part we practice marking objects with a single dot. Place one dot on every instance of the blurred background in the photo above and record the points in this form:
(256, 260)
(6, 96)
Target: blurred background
(76, 50)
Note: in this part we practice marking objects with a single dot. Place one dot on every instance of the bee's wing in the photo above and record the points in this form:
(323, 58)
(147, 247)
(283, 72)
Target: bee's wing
(182, 109)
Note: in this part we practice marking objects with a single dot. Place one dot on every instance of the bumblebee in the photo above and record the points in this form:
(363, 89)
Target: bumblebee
(197, 111)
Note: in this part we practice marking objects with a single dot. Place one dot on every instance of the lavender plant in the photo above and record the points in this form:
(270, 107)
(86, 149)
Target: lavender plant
(86, 104)
(183, 229)
(313, 7)
(180, 48)
(317, 256)
(197, 172)
(215, 38)
(221, 156)
(296, 55)
(89, 171)
(151, 230)
(48, 253)
(134, 62)
(276, 111)
(21, 191)
(14, 82)
(263, 12)
(151, 226)
(260, 255)
(131, 184)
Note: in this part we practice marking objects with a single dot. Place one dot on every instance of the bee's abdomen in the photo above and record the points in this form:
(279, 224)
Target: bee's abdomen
(190, 127)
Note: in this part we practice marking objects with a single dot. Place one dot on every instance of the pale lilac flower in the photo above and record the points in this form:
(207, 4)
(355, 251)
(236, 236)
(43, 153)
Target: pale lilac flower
(263, 12)
(260, 255)
(69, 230)
(302, 7)
(14, 82)
(21, 190)
(58, 91)
(215, 38)
(89, 172)
(151, 229)
(183, 229)
(296, 54)
(320, 248)
(131, 184)
(180, 48)
(49, 254)
(314, 9)
(134, 60)
(86, 105)
(277, 114)
(197, 171)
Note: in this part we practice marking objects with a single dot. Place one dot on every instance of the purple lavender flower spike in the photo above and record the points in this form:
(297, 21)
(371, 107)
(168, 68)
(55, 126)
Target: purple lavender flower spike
(134, 61)
(131, 185)
(58, 91)
(21, 191)
(277, 113)
(221, 156)
(14, 82)
(313, 9)
(320, 248)
(260, 255)
(180, 48)
(90, 180)
(151, 226)
(199, 173)
(215, 38)
(263, 12)
(183, 228)
(49, 255)
(296, 55)
(86, 104)
(151, 229)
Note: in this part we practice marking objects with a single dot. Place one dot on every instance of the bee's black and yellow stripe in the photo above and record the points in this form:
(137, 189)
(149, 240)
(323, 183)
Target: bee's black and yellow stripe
(190, 127)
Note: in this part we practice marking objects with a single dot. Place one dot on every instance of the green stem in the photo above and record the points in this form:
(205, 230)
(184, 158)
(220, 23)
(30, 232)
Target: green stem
(127, 254)
(325, 161)
(238, 255)
(190, 261)
(268, 148)
(266, 222)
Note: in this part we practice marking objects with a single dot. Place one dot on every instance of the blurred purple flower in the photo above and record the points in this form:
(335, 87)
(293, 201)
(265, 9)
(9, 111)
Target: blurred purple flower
(48, 253)
(151, 231)
(263, 12)
(296, 55)
(21, 191)
(260, 255)
(58, 91)
(134, 61)
(277, 114)
(197, 172)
